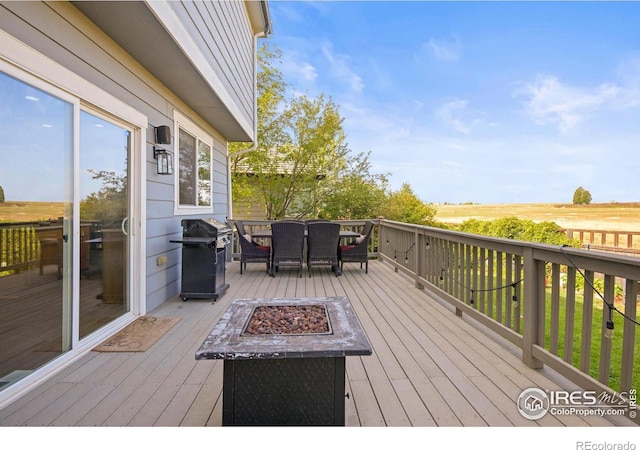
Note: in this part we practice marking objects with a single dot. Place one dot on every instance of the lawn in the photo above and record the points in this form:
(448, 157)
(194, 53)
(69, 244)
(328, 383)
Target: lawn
(558, 317)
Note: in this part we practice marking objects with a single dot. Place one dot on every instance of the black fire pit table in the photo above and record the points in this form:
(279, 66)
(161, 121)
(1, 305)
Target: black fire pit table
(284, 359)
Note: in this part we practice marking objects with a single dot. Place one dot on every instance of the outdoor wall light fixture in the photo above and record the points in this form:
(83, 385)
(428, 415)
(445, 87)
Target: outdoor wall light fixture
(164, 160)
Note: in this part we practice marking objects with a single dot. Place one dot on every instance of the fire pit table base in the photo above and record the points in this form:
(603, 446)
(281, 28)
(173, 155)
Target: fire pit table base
(276, 376)
(296, 391)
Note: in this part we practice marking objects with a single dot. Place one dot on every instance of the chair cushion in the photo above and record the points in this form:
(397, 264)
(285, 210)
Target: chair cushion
(266, 248)
(347, 247)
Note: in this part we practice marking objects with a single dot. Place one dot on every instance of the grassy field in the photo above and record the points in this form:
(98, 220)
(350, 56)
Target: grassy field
(30, 211)
(601, 216)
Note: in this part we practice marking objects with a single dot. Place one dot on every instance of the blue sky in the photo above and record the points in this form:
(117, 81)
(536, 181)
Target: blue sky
(484, 102)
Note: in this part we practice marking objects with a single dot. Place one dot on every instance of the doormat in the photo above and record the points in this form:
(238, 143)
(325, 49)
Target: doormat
(139, 335)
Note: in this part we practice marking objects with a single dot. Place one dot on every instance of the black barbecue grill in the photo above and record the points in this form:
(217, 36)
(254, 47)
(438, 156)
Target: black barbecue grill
(204, 243)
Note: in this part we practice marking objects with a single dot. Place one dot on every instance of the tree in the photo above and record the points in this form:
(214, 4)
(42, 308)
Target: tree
(404, 206)
(301, 150)
(271, 95)
(357, 193)
(110, 201)
(1, 195)
(293, 175)
(581, 196)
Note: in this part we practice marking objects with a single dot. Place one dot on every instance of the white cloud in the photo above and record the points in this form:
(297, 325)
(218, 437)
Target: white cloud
(629, 74)
(299, 70)
(550, 101)
(339, 65)
(448, 51)
(287, 12)
(456, 115)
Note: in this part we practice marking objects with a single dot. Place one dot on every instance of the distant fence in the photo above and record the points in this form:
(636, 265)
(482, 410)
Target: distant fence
(624, 242)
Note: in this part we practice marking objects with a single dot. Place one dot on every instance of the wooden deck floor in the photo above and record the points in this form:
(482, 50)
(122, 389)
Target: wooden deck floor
(428, 368)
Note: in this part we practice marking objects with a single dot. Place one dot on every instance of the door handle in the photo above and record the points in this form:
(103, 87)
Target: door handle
(123, 226)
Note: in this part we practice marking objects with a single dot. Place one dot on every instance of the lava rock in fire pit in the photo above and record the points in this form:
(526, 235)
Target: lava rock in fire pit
(288, 319)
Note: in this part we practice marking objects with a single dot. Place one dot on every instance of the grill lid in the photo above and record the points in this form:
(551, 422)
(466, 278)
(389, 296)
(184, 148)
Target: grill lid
(220, 226)
(204, 227)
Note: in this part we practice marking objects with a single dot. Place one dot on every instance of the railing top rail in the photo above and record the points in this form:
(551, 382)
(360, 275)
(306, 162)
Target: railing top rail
(553, 253)
(460, 236)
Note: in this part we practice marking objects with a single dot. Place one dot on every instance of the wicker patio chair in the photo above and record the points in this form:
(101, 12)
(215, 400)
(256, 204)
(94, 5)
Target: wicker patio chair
(358, 250)
(251, 251)
(287, 245)
(322, 245)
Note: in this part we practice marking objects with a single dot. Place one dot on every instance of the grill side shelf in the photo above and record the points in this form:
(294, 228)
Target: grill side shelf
(195, 240)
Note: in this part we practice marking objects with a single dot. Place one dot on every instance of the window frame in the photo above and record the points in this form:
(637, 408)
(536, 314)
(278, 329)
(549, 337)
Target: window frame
(181, 121)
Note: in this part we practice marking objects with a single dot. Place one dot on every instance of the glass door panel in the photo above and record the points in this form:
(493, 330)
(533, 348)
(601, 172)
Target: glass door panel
(36, 149)
(104, 211)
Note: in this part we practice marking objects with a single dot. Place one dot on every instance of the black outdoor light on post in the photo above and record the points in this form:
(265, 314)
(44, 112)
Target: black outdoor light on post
(163, 157)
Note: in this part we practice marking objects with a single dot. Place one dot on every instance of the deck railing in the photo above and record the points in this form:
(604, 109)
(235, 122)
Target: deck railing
(19, 247)
(26, 245)
(553, 302)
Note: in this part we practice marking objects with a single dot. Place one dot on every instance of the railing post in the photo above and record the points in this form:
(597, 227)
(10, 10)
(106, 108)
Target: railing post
(605, 343)
(418, 263)
(534, 299)
(381, 230)
(629, 336)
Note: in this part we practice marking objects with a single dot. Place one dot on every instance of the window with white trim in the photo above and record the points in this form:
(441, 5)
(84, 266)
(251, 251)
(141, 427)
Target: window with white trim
(193, 175)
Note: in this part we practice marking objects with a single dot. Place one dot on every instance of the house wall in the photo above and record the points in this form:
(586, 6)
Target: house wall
(69, 38)
(228, 49)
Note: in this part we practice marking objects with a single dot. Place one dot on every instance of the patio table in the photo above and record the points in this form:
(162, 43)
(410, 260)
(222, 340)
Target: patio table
(344, 234)
(266, 234)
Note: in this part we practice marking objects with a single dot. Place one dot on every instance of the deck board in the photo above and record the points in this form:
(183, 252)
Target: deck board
(429, 367)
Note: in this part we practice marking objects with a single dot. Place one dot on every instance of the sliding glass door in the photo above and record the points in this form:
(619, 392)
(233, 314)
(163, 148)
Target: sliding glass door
(104, 213)
(64, 228)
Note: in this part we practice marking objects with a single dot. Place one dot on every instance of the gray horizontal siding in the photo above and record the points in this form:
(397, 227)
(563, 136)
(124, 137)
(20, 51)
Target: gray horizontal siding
(222, 32)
